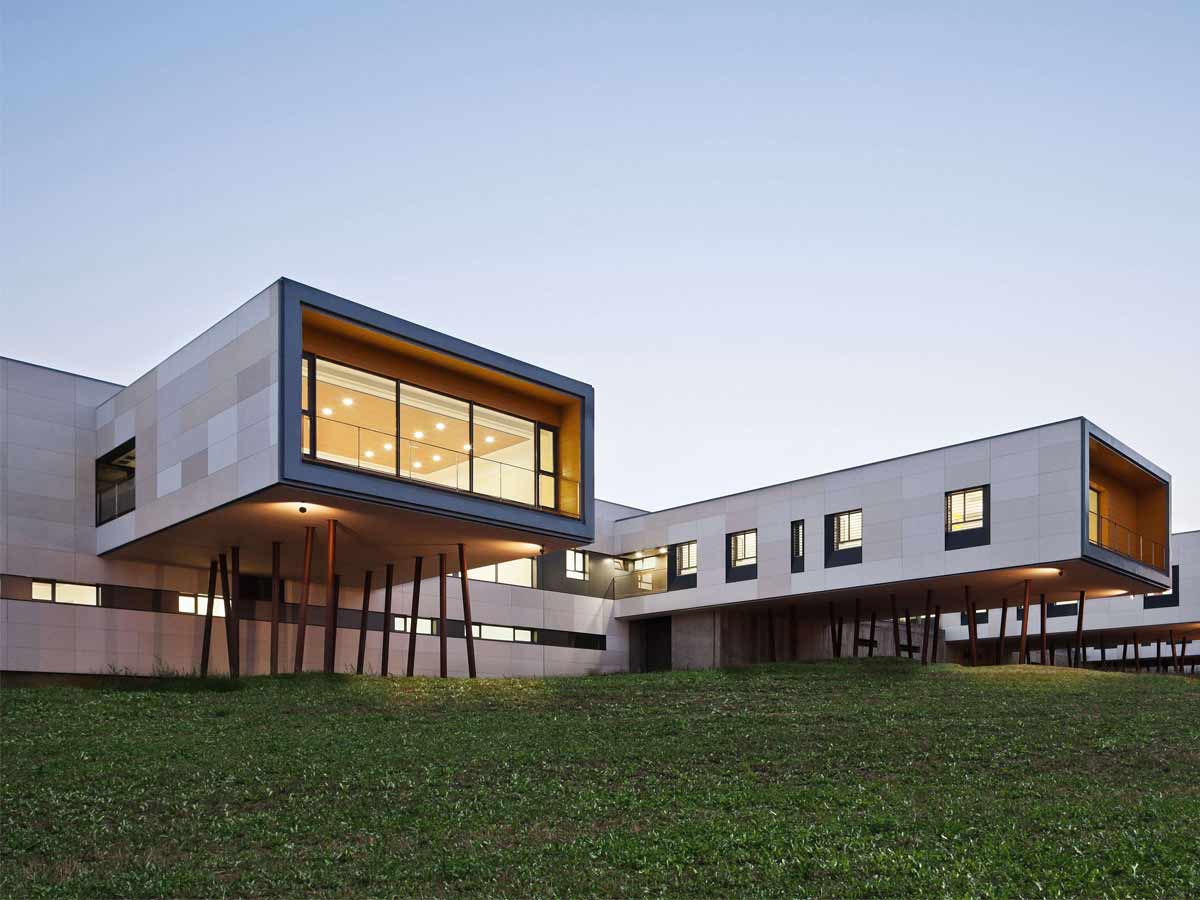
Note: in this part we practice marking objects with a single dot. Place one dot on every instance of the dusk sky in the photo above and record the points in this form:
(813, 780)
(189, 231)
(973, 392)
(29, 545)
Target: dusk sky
(778, 239)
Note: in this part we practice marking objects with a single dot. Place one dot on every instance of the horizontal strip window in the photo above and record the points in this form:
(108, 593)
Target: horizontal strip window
(378, 424)
(165, 601)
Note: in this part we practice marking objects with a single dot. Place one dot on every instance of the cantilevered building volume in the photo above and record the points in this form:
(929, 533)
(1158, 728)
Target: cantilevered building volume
(309, 461)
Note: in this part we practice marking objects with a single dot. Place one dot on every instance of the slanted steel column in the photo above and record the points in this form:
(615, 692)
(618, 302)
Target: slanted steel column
(442, 613)
(227, 600)
(908, 632)
(1003, 623)
(1023, 653)
(331, 597)
(925, 628)
(1137, 656)
(971, 624)
(387, 618)
(412, 619)
(235, 575)
(276, 602)
(362, 623)
(206, 647)
(1079, 632)
(871, 640)
(895, 625)
(466, 599)
(936, 627)
(857, 616)
(302, 622)
(1174, 656)
(1042, 604)
(834, 644)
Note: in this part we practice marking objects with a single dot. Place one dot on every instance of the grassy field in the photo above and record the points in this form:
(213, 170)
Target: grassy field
(851, 778)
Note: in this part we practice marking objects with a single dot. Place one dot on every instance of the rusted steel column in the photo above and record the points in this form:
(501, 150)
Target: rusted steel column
(972, 626)
(1023, 653)
(908, 632)
(1042, 604)
(206, 647)
(1174, 656)
(362, 623)
(871, 642)
(1003, 621)
(895, 625)
(276, 601)
(466, 599)
(1079, 632)
(412, 619)
(442, 613)
(857, 615)
(235, 575)
(302, 621)
(925, 628)
(937, 631)
(331, 598)
(227, 600)
(387, 618)
(1137, 655)
(834, 646)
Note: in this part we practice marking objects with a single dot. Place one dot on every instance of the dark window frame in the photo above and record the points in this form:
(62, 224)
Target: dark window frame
(676, 580)
(109, 460)
(850, 556)
(797, 545)
(575, 574)
(971, 537)
(1167, 600)
(746, 571)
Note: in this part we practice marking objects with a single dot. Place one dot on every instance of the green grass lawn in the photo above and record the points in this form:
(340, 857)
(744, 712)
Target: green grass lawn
(851, 778)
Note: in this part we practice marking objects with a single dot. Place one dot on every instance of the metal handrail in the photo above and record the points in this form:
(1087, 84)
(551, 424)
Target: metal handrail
(639, 583)
(1112, 535)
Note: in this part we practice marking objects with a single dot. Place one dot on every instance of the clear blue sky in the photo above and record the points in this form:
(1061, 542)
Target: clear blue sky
(777, 239)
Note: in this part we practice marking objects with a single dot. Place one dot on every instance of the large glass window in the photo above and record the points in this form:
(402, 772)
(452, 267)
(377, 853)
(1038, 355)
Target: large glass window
(504, 455)
(436, 432)
(685, 558)
(356, 417)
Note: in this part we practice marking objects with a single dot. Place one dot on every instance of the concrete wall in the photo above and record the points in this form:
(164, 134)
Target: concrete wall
(1036, 512)
(206, 423)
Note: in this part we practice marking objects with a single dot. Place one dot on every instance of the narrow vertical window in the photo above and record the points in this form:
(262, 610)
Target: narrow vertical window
(577, 565)
(798, 545)
(1093, 515)
(685, 558)
(547, 467)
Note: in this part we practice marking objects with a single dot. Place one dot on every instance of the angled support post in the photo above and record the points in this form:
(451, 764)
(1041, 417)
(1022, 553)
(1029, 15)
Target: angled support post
(937, 631)
(895, 625)
(362, 623)
(1079, 632)
(302, 621)
(1023, 653)
(206, 647)
(972, 625)
(442, 614)
(1137, 656)
(925, 628)
(235, 574)
(389, 576)
(908, 632)
(466, 600)
(227, 600)
(1003, 623)
(834, 645)
(1042, 605)
(331, 598)
(857, 617)
(276, 602)
(412, 619)
(871, 640)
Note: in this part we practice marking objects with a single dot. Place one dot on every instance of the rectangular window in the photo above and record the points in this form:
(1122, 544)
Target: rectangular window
(66, 592)
(547, 467)
(504, 455)
(964, 509)
(685, 558)
(435, 442)
(115, 484)
(744, 548)
(798, 545)
(424, 626)
(197, 605)
(847, 534)
(577, 565)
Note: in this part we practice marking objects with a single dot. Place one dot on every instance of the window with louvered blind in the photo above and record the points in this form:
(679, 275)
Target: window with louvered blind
(744, 548)
(798, 545)
(964, 509)
(685, 558)
(847, 533)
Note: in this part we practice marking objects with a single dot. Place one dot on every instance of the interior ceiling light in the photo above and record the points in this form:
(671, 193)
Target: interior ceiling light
(467, 447)
(387, 446)
(662, 549)
(347, 401)
(440, 426)
(417, 464)
(369, 454)
(489, 440)
(418, 434)
(326, 410)
(436, 458)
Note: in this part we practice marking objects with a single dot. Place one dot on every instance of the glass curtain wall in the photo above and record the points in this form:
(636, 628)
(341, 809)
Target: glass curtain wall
(359, 419)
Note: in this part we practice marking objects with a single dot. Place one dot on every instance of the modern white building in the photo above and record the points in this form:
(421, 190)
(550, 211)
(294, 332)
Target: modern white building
(309, 454)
